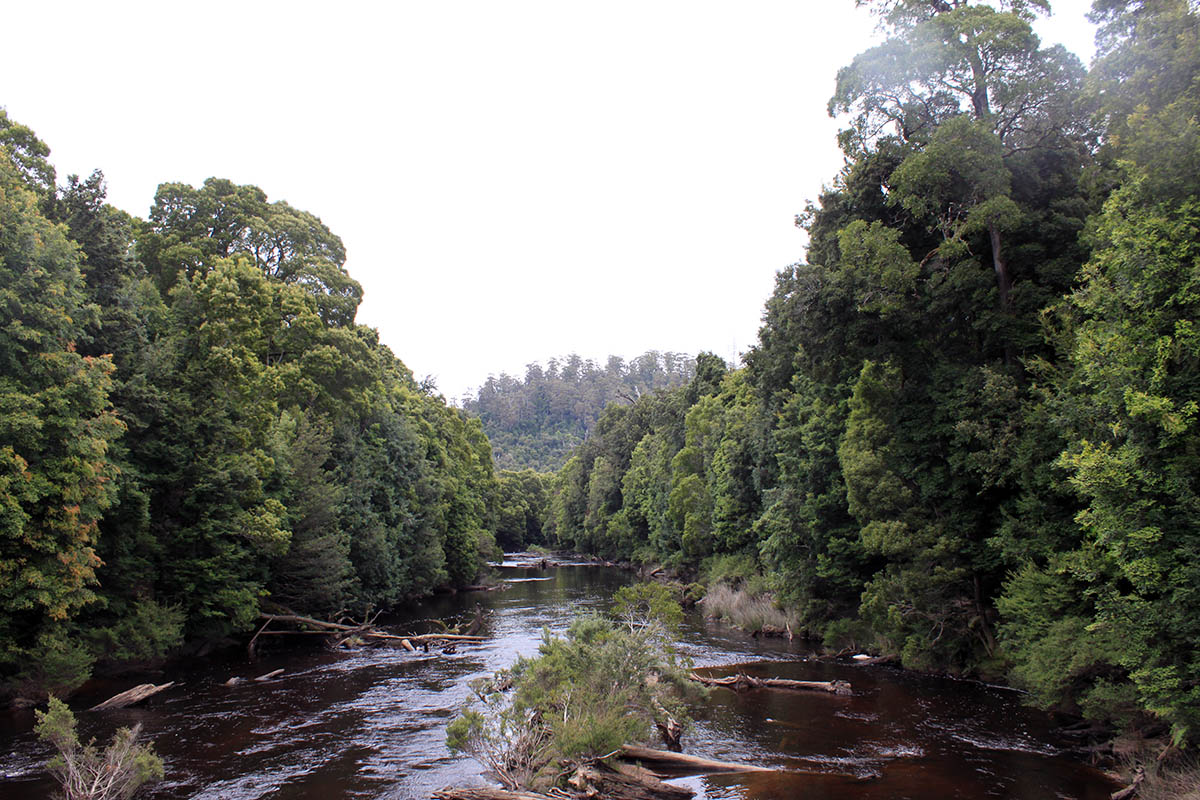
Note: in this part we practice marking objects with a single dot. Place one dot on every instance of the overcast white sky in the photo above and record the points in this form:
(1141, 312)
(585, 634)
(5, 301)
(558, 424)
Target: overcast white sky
(513, 180)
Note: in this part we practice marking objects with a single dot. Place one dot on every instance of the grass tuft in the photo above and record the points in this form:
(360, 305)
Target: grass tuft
(751, 612)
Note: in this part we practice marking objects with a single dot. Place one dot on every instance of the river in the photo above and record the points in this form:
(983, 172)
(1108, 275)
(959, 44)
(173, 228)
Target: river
(371, 723)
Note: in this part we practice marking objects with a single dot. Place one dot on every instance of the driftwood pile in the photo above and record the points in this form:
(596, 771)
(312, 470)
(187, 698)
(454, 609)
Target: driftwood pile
(632, 773)
(343, 635)
(340, 635)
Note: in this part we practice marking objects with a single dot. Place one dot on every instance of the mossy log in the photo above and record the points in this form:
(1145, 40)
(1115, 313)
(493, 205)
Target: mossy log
(742, 682)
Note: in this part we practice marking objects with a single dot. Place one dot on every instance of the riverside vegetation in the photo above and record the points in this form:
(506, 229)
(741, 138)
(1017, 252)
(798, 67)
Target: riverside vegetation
(604, 685)
(967, 435)
(85, 773)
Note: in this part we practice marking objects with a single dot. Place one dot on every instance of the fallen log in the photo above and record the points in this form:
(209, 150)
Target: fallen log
(363, 631)
(742, 682)
(272, 674)
(130, 696)
(431, 637)
(296, 619)
(487, 793)
(772, 631)
(664, 763)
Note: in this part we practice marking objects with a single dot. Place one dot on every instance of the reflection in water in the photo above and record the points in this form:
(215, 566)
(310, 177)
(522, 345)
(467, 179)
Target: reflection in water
(371, 724)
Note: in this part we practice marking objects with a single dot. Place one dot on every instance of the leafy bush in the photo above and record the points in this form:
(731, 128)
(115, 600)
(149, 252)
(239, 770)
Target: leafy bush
(58, 664)
(847, 634)
(583, 696)
(643, 603)
(88, 774)
(146, 636)
(734, 569)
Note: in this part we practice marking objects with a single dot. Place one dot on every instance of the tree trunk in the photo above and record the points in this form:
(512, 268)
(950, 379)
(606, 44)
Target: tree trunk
(487, 793)
(1003, 279)
(663, 763)
(135, 695)
(741, 683)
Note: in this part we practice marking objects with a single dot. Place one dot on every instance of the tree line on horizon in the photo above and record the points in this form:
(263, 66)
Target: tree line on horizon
(536, 421)
(969, 432)
(192, 425)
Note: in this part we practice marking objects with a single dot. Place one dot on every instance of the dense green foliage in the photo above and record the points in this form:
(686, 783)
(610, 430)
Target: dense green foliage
(521, 500)
(535, 423)
(191, 424)
(968, 431)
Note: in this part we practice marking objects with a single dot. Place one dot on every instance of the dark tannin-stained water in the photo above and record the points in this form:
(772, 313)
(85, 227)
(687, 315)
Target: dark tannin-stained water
(372, 723)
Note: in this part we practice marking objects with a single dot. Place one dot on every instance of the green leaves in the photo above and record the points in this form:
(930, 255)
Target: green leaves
(880, 264)
(57, 425)
(189, 229)
(84, 771)
(583, 696)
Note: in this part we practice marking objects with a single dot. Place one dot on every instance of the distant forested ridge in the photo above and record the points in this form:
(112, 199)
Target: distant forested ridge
(969, 432)
(535, 422)
(192, 425)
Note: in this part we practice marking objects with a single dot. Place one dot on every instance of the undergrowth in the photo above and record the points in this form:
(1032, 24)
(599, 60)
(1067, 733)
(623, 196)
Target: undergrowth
(751, 612)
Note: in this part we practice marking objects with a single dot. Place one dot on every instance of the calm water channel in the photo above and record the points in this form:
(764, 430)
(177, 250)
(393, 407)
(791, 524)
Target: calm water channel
(371, 724)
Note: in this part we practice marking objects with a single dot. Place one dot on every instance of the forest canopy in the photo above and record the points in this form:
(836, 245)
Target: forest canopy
(193, 426)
